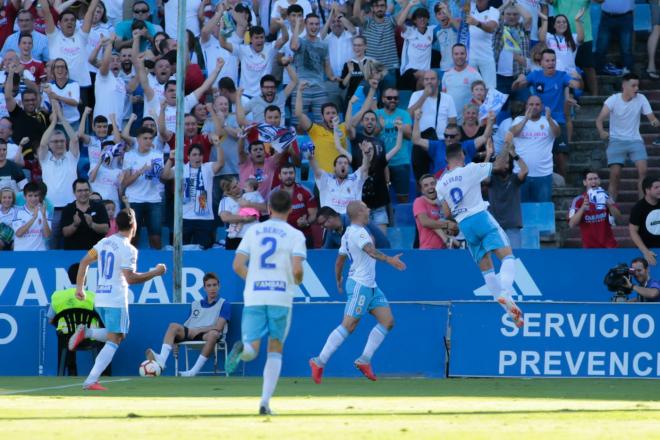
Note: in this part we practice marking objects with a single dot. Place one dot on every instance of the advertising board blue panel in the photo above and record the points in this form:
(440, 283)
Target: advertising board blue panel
(31, 344)
(29, 278)
(557, 340)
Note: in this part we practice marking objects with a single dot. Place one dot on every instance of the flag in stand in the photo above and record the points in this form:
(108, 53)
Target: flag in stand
(494, 102)
(279, 138)
(464, 28)
(509, 40)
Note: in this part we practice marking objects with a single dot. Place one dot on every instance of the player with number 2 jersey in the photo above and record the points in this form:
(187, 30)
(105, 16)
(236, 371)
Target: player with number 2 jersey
(269, 259)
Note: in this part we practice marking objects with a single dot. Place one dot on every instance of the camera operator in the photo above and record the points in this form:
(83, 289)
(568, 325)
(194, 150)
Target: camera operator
(647, 289)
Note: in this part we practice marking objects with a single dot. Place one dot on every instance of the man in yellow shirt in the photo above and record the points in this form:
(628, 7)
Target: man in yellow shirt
(322, 135)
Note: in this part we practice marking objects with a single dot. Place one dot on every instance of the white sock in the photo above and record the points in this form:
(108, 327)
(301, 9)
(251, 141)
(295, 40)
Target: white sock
(101, 363)
(376, 337)
(335, 339)
(98, 334)
(493, 284)
(201, 360)
(248, 353)
(508, 273)
(165, 351)
(271, 376)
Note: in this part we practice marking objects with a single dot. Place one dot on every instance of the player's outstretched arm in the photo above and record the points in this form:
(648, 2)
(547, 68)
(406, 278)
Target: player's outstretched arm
(394, 261)
(240, 265)
(141, 277)
(88, 259)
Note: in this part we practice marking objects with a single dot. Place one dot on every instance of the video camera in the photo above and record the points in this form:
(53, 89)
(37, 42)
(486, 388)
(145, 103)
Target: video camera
(617, 279)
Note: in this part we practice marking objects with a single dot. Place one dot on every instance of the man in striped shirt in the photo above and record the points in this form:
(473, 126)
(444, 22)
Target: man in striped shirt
(379, 31)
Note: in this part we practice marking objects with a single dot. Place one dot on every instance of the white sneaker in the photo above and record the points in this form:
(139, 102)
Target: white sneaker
(187, 373)
(153, 356)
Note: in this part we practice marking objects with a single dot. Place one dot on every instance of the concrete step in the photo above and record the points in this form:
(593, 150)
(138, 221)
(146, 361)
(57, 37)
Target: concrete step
(628, 184)
(589, 109)
(626, 172)
(621, 242)
(645, 127)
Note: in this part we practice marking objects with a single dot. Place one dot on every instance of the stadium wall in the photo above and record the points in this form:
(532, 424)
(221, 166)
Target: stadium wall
(585, 338)
(28, 344)
(29, 278)
(558, 340)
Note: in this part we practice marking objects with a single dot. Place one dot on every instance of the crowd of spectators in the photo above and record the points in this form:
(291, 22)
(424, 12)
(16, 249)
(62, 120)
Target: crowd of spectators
(332, 101)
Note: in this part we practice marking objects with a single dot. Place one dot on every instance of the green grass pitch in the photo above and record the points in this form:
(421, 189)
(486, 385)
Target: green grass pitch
(339, 409)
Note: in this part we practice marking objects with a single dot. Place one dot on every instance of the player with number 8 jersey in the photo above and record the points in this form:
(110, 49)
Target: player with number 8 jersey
(117, 262)
(269, 259)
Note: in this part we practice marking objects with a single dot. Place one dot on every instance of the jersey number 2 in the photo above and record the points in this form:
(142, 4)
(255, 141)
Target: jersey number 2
(107, 264)
(271, 245)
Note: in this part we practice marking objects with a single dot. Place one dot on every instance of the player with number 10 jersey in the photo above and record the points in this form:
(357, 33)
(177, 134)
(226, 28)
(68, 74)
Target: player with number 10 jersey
(114, 253)
(117, 261)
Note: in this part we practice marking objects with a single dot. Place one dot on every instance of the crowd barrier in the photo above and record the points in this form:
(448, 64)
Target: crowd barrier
(28, 344)
(557, 340)
(29, 278)
(570, 330)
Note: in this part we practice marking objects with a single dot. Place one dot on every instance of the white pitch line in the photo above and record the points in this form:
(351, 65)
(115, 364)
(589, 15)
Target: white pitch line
(58, 387)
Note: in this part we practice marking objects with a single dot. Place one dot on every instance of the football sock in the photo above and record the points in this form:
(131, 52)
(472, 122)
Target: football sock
(376, 337)
(102, 361)
(248, 353)
(507, 274)
(271, 375)
(336, 338)
(493, 284)
(201, 360)
(98, 334)
(165, 351)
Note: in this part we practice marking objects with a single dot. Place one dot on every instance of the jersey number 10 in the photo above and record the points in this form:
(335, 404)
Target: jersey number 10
(107, 264)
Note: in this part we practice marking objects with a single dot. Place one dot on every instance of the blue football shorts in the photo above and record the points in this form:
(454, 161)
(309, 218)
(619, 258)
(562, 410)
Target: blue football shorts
(259, 321)
(482, 234)
(115, 319)
(362, 299)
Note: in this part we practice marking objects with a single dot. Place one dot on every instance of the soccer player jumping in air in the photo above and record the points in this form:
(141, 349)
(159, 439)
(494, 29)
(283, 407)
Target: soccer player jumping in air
(364, 295)
(459, 190)
(270, 260)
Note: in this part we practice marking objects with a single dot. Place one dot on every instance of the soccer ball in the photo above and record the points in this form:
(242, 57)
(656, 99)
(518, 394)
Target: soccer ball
(149, 369)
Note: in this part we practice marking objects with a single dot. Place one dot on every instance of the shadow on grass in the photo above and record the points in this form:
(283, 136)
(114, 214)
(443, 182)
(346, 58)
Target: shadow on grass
(222, 387)
(344, 414)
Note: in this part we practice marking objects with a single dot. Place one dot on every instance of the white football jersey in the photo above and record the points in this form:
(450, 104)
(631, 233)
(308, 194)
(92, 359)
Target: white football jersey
(461, 189)
(270, 246)
(115, 253)
(363, 267)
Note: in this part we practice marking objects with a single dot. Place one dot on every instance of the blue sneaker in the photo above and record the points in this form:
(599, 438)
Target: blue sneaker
(611, 69)
(234, 357)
